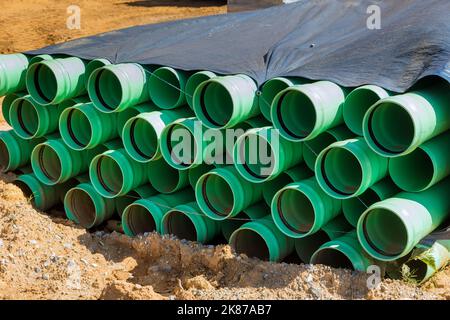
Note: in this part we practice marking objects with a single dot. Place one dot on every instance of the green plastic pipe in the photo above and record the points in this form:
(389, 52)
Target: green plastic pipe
(53, 81)
(257, 211)
(262, 239)
(358, 102)
(141, 192)
(255, 122)
(193, 82)
(84, 205)
(397, 125)
(142, 133)
(312, 148)
(354, 207)
(260, 145)
(39, 58)
(42, 197)
(302, 208)
(94, 65)
(305, 247)
(187, 222)
(30, 119)
(196, 172)
(304, 111)
(347, 168)
(270, 89)
(223, 102)
(7, 102)
(84, 127)
(23, 170)
(166, 179)
(297, 173)
(133, 111)
(423, 167)
(64, 187)
(223, 193)
(72, 102)
(390, 229)
(166, 87)
(145, 215)
(343, 252)
(111, 90)
(14, 151)
(13, 68)
(114, 173)
(54, 162)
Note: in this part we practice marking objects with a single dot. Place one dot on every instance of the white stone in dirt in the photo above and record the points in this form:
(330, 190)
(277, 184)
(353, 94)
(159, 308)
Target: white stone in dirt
(1, 243)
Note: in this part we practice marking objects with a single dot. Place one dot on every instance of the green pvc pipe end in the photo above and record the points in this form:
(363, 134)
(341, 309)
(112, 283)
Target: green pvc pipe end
(13, 68)
(261, 239)
(358, 102)
(42, 197)
(166, 179)
(94, 65)
(223, 102)
(346, 169)
(7, 102)
(302, 208)
(166, 87)
(111, 90)
(196, 172)
(270, 89)
(187, 222)
(193, 82)
(84, 127)
(133, 111)
(53, 81)
(39, 58)
(14, 151)
(141, 192)
(84, 205)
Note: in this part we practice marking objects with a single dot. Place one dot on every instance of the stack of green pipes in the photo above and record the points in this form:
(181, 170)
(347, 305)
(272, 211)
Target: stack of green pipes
(359, 176)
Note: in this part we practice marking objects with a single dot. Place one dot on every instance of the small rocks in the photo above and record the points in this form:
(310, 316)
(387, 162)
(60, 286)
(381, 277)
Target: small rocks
(45, 277)
(33, 242)
(67, 245)
(37, 270)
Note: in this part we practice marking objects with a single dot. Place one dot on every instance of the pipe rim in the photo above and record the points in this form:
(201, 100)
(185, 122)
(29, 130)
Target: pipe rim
(101, 83)
(157, 88)
(277, 84)
(34, 82)
(95, 202)
(72, 136)
(21, 126)
(49, 171)
(148, 209)
(193, 82)
(322, 141)
(103, 187)
(168, 228)
(9, 151)
(350, 254)
(144, 149)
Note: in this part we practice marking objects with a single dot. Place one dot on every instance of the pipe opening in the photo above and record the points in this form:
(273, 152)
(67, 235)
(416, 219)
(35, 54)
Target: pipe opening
(26, 190)
(391, 128)
(109, 174)
(332, 258)
(218, 195)
(185, 136)
(305, 247)
(296, 211)
(108, 89)
(44, 83)
(356, 105)
(49, 163)
(165, 88)
(4, 156)
(256, 156)
(193, 82)
(385, 232)
(250, 243)
(341, 171)
(81, 205)
(296, 114)
(268, 92)
(143, 138)
(27, 118)
(180, 225)
(276, 184)
(216, 104)
(412, 172)
(139, 220)
(79, 128)
(353, 208)
(418, 269)
(313, 147)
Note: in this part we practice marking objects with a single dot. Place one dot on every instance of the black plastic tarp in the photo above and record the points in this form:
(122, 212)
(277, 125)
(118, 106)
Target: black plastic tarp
(315, 39)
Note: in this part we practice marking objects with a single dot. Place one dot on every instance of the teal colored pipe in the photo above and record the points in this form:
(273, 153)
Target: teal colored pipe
(94, 65)
(133, 111)
(54, 162)
(7, 102)
(358, 102)
(84, 205)
(261, 154)
(346, 169)
(145, 215)
(193, 82)
(53, 81)
(166, 87)
(13, 68)
(343, 252)
(297, 173)
(354, 207)
(187, 222)
(72, 102)
(390, 229)
(166, 179)
(141, 192)
(312, 148)
(111, 90)
(397, 125)
(64, 187)
(30, 119)
(302, 208)
(423, 167)
(195, 173)
(39, 58)
(270, 89)
(84, 127)
(255, 122)
(14, 151)
(223, 193)
(42, 197)
(262, 239)
(257, 211)
(223, 102)
(304, 111)
(305, 247)
(114, 173)
(142, 133)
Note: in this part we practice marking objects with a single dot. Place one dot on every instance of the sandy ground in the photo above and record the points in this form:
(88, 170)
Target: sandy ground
(43, 256)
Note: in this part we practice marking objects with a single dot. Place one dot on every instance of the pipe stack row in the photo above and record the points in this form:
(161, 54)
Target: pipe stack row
(350, 177)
